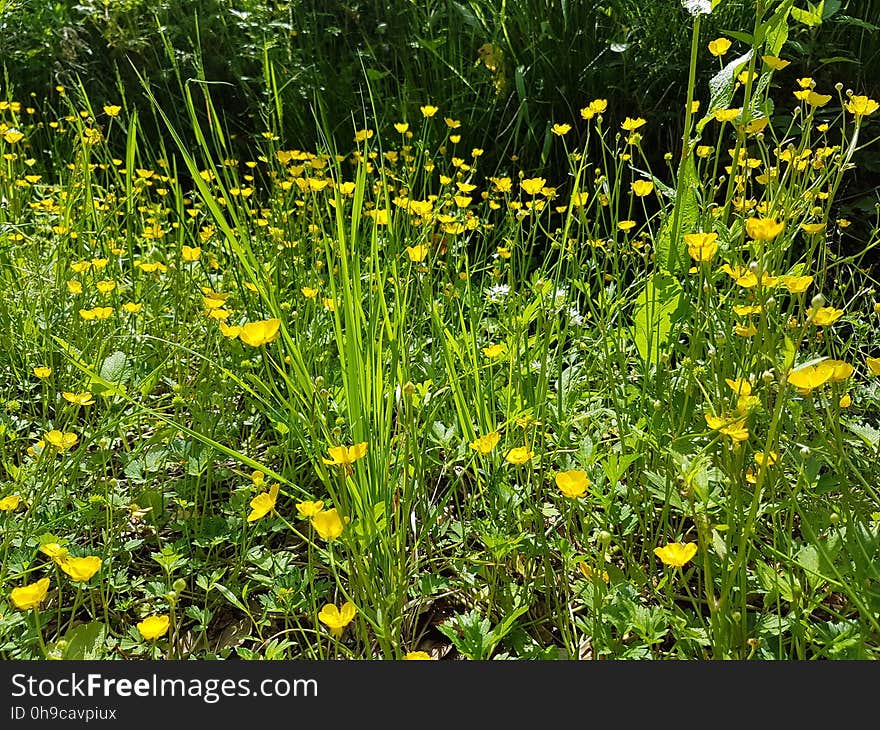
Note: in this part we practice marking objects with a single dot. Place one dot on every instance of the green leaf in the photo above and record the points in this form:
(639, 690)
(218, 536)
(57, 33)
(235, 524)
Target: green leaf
(673, 259)
(810, 18)
(721, 87)
(658, 305)
(85, 641)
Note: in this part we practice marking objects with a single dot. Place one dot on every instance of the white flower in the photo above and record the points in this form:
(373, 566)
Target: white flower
(497, 293)
(697, 7)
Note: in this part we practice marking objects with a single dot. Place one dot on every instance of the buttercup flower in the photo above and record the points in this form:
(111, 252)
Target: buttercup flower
(641, 188)
(418, 656)
(80, 570)
(702, 247)
(676, 554)
(336, 619)
(263, 504)
(812, 376)
(573, 483)
(719, 46)
(10, 503)
(346, 455)
(764, 229)
(61, 441)
(54, 551)
(31, 595)
(328, 524)
(154, 627)
(533, 185)
(861, 106)
(259, 333)
(485, 444)
(824, 316)
(519, 455)
(417, 253)
(309, 509)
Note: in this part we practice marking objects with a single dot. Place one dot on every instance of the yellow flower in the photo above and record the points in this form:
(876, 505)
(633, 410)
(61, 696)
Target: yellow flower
(190, 253)
(493, 351)
(861, 106)
(726, 115)
(764, 229)
(626, 226)
(428, 110)
(112, 110)
(263, 504)
(841, 370)
(740, 386)
(418, 655)
(777, 64)
(230, 332)
(154, 627)
(309, 292)
(54, 551)
(560, 130)
(579, 200)
(105, 286)
(328, 524)
(701, 247)
(10, 503)
(824, 316)
(813, 228)
(30, 596)
(631, 125)
(401, 127)
(345, 455)
(573, 483)
(417, 253)
(74, 286)
(336, 619)
(259, 333)
(796, 284)
(309, 509)
(533, 185)
(676, 554)
(588, 572)
(873, 364)
(771, 458)
(719, 46)
(61, 441)
(733, 426)
(80, 570)
(485, 444)
(42, 372)
(641, 188)
(78, 399)
(845, 401)
(812, 376)
(519, 455)
(12, 136)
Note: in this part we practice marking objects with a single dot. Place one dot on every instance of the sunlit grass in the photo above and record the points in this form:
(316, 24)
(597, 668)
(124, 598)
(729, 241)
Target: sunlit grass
(374, 399)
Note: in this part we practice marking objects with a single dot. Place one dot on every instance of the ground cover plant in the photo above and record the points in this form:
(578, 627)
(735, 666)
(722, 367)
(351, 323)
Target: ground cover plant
(377, 399)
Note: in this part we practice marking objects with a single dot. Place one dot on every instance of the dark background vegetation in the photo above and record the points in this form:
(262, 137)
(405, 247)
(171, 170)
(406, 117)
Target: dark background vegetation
(329, 56)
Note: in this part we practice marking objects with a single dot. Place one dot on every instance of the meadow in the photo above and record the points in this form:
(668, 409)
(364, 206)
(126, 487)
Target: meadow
(396, 396)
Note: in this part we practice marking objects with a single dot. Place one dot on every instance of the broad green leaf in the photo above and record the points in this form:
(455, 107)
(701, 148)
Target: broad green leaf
(659, 304)
(85, 641)
(721, 87)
